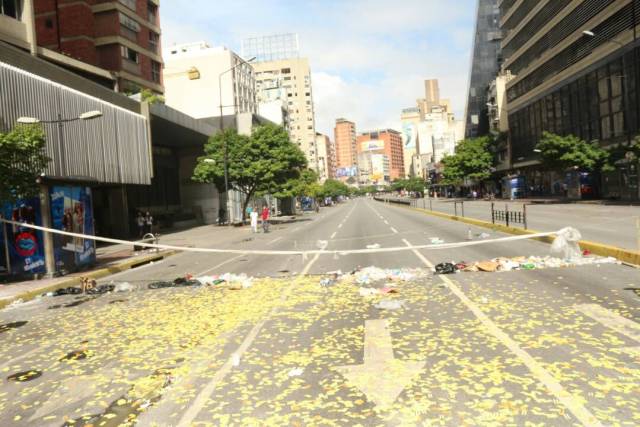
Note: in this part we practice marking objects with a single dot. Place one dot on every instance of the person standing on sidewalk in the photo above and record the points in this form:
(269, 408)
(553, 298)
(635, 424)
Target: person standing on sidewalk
(140, 223)
(265, 219)
(148, 222)
(254, 220)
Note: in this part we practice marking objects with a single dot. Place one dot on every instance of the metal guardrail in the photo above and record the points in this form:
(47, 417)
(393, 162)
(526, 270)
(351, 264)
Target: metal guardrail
(509, 216)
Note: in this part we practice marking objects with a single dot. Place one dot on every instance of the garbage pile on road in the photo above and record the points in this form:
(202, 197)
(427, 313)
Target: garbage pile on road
(520, 263)
(370, 275)
(229, 280)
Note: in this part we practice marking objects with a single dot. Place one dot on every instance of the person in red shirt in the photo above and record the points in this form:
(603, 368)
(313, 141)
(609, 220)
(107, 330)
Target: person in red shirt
(265, 219)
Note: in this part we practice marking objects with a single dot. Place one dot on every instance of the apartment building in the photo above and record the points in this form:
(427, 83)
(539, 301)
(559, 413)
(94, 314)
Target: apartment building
(326, 157)
(576, 70)
(387, 141)
(346, 150)
(278, 65)
(122, 37)
(206, 82)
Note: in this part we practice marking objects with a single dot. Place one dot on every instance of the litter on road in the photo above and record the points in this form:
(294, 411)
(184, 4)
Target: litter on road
(390, 304)
(521, 263)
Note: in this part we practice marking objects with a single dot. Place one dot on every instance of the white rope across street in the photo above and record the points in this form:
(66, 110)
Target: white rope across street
(321, 244)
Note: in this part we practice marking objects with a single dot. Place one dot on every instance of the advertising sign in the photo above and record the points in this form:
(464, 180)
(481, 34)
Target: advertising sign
(372, 145)
(347, 172)
(72, 211)
(409, 135)
(26, 250)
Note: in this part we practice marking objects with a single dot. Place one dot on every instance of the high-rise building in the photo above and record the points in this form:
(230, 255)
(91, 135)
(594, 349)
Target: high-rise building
(326, 157)
(411, 118)
(431, 98)
(122, 37)
(576, 69)
(278, 65)
(388, 142)
(346, 150)
(199, 79)
(485, 63)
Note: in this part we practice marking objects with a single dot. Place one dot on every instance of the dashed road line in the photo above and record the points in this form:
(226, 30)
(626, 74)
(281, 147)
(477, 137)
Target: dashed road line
(334, 234)
(572, 403)
(394, 230)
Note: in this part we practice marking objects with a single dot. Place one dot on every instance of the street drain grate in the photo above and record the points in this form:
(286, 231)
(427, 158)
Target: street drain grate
(23, 377)
(13, 325)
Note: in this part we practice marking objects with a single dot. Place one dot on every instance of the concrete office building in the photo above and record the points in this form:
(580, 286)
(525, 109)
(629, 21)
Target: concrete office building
(576, 68)
(484, 65)
(346, 150)
(278, 65)
(389, 142)
(432, 96)
(499, 120)
(193, 74)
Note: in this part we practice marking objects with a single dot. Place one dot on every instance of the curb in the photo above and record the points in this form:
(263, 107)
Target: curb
(624, 255)
(95, 274)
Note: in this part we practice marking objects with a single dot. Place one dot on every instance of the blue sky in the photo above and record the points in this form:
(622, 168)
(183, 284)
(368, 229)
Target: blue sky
(368, 57)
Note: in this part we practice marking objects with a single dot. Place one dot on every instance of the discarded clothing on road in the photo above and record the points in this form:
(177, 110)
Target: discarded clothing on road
(177, 283)
(445, 268)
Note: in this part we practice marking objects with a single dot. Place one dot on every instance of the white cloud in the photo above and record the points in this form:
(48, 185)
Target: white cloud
(368, 57)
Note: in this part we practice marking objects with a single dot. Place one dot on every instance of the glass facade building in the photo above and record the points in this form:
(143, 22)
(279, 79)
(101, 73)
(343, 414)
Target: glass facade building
(271, 48)
(577, 68)
(484, 66)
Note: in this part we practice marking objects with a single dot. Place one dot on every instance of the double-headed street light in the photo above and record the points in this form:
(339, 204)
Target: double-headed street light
(226, 151)
(84, 116)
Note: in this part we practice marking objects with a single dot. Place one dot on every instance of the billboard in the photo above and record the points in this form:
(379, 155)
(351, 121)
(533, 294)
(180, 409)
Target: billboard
(409, 135)
(347, 172)
(372, 145)
(25, 245)
(72, 211)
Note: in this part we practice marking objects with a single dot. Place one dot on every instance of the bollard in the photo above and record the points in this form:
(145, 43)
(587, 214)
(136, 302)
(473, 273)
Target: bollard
(524, 215)
(455, 207)
(493, 213)
(506, 212)
(462, 204)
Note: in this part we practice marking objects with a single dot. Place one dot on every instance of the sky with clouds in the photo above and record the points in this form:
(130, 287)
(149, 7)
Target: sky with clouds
(368, 58)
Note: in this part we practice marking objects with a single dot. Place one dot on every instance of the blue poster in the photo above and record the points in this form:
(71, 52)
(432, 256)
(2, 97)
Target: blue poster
(26, 249)
(72, 211)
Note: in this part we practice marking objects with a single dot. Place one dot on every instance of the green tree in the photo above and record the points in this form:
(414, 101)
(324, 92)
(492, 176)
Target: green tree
(472, 160)
(334, 188)
(262, 162)
(306, 184)
(147, 95)
(565, 152)
(22, 161)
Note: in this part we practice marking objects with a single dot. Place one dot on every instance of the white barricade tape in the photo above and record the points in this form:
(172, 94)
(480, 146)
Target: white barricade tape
(303, 253)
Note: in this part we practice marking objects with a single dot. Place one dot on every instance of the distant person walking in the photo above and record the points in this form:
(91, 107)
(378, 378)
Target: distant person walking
(148, 222)
(254, 220)
(140, 223)
(265, 219)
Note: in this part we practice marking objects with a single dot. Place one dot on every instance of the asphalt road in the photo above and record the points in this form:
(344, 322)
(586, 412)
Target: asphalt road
(544, 347)
(615, 225)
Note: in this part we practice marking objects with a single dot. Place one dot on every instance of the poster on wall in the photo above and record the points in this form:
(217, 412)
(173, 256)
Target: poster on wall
(72, 211)
(26, 250)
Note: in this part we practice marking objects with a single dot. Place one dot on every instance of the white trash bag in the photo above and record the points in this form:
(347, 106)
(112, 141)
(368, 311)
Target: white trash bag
(566, 244)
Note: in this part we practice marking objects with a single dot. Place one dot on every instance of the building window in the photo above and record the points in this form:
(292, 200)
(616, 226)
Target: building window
(129, 54)
(129, 27)
(155, 71)
(10, 8)
(48, 23)
(154, 40)
(286, 71)
(152, 13)
(131, 4)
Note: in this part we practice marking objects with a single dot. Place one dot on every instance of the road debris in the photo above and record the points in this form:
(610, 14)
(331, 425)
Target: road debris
(390, 304)
(521, 263)
(374, 246)
(296, 372)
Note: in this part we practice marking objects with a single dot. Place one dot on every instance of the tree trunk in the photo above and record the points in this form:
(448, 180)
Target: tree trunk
(244, 207)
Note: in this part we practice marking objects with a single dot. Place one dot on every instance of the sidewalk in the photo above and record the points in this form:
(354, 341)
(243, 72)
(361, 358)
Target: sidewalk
(113, 259)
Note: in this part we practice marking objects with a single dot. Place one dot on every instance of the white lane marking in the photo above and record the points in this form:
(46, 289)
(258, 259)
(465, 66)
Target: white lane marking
(333, 235)
(394, 230)
(275, 240)
(209, 270)
(340, 226)
(611, 320)
(537, 370)
(201, 399)
(386, 222)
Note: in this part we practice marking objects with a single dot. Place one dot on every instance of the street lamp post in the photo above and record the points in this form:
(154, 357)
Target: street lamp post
(226, 151)
(45, 202)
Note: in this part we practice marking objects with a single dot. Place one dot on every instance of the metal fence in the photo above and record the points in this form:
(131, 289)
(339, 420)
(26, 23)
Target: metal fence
(114, 148)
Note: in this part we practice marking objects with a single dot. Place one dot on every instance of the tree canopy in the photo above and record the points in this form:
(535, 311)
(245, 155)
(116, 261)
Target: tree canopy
(263, 162)
(564, 152)
(22, 161)
(334, 188)
(413, 185)
(472, 160)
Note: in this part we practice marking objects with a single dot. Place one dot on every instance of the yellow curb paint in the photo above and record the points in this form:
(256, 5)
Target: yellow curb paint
(600, 249)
